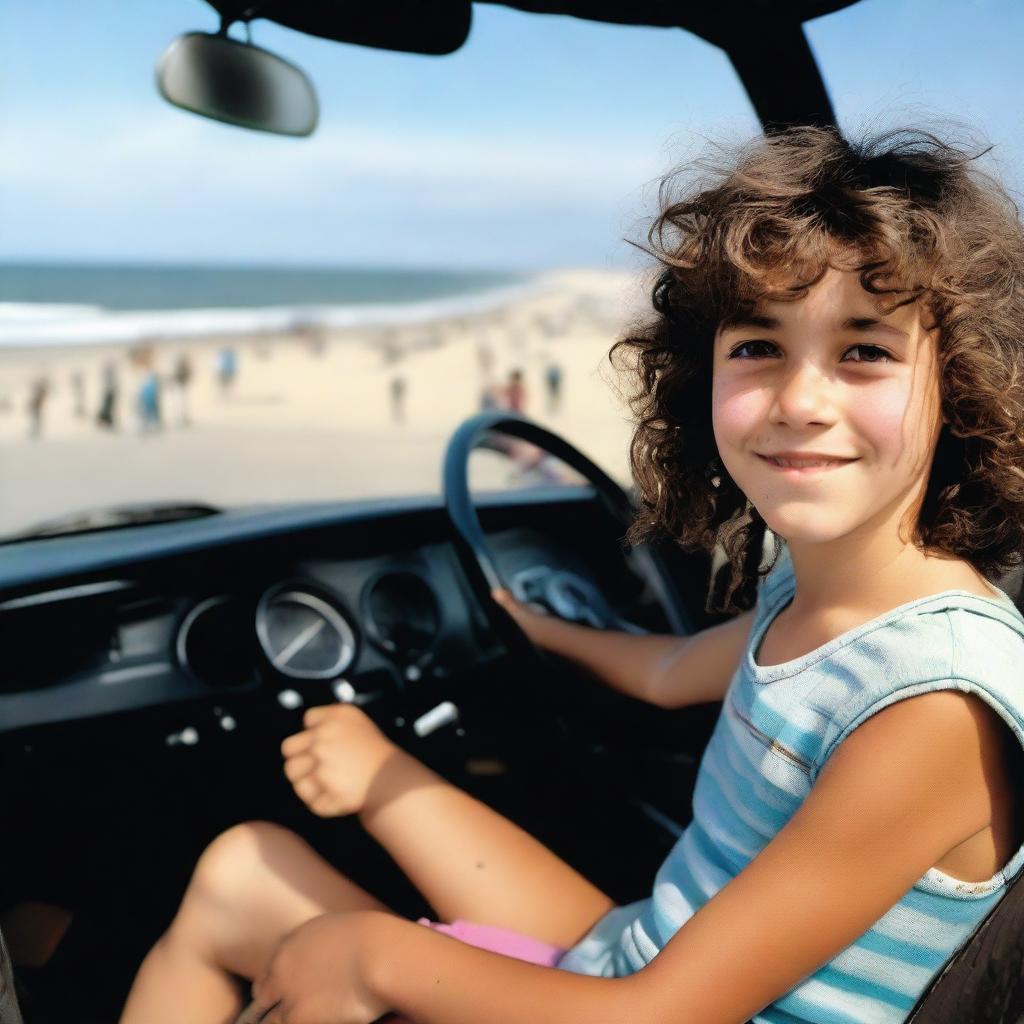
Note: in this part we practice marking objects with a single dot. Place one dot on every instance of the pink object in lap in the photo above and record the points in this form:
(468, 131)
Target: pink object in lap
(500, 940)
(497, 940)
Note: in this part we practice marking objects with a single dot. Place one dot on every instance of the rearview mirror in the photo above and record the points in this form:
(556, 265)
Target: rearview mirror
(238, 83)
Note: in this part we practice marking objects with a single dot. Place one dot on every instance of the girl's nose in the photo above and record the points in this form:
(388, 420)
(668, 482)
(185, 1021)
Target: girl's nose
(803, 394)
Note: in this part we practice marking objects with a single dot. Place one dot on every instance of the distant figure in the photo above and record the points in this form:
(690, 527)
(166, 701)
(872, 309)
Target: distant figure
(511, 397)
(397, 389)
(78, 392)
(149, 403)
(553, 382)
(515, 392)
(36, 402)
(227, 368)
(108, 398)
(529, 461)
(181, 376)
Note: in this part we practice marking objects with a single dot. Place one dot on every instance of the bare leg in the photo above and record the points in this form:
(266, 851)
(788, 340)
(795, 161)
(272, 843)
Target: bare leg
(253, 884)
(468, 861)
(257, 882)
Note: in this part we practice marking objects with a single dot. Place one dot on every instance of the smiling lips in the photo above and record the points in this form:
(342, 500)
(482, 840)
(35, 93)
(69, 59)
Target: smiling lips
(803, 466)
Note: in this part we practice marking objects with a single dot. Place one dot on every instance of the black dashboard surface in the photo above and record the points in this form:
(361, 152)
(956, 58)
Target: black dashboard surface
(116, 621)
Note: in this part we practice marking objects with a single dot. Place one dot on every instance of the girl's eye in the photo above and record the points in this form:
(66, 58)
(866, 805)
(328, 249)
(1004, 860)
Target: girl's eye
(872, 348)
(878, 355)
(746, 344)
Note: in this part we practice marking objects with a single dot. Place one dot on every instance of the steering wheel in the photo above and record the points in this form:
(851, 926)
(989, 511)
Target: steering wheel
(562, 597)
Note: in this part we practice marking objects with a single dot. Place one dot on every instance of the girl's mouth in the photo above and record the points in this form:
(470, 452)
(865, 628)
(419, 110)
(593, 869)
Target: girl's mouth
(803, 467)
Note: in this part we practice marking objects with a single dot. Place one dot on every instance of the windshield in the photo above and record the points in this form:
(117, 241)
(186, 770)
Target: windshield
(193, 314)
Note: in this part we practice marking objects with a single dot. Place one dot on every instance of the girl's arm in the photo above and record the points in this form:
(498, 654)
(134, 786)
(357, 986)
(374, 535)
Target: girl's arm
(901, 791)
(666, 670)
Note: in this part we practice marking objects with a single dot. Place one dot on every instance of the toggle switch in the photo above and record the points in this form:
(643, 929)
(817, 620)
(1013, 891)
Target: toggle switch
(444, 714)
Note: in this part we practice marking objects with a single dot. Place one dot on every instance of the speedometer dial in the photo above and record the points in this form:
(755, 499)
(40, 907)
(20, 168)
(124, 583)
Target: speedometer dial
(303, 635)
(401, 613)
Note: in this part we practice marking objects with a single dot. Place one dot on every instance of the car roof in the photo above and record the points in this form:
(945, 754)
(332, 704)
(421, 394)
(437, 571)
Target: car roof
(759, 37)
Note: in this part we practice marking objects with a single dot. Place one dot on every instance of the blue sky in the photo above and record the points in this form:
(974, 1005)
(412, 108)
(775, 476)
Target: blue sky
(538, 144)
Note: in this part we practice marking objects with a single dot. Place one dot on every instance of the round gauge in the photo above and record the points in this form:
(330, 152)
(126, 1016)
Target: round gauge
(401, 614)
(213, 642)
(303, 635)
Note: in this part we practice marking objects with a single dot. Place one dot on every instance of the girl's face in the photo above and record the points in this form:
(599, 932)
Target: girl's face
(828, 375)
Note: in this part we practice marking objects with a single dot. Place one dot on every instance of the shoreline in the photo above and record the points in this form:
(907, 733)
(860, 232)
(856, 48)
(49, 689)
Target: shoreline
(36, 326)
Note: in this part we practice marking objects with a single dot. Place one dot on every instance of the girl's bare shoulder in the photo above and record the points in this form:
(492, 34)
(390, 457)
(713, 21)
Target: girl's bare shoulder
(960, 575)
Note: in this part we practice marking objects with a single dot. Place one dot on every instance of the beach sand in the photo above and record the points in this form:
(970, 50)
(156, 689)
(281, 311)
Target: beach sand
(309, 415)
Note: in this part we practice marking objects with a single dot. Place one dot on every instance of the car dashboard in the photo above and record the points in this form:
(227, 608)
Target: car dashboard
(308, 603)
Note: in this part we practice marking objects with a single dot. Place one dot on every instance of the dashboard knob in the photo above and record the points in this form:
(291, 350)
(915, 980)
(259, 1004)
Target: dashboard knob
(188, 737)
(348, 694)
(290, 699)
(345, 691)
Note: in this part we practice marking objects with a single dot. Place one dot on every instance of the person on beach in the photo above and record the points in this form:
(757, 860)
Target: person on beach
(834, 366)
(148, 403)
(553, 382)
(227, 369)
(514, 394)
(396, 390)
(105, 416)
(511, 396)
(182, 377)
(37, 396)
(147, 398)
(526, 458)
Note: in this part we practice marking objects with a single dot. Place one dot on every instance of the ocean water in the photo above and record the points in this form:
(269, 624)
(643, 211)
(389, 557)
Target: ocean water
(62, 304)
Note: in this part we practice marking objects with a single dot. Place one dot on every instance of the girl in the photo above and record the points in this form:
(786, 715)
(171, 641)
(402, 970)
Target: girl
(835, 358)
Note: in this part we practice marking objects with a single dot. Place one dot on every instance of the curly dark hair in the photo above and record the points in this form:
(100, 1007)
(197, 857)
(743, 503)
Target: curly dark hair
(920, 222)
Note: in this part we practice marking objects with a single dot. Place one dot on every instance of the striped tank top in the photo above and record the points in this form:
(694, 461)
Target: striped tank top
(778, 726)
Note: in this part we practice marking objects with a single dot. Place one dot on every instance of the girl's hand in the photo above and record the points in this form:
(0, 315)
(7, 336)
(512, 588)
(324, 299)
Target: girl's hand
(333, 762)
(316, 974)
(525, 617)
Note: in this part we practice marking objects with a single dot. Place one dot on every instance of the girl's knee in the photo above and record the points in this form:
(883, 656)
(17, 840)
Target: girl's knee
(227, 885)
(232, 865)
